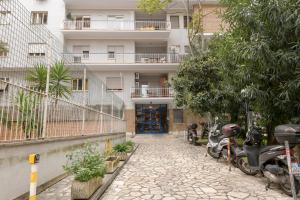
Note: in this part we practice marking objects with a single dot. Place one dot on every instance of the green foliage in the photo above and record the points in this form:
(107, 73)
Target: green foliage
(129, 143)
(59, 82)
(38, 77)
(86, 164)
(259, 55)
(152, 6)
(29, 119)
(121, 147)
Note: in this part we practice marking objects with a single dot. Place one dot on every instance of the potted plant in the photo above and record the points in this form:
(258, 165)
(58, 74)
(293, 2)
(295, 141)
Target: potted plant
(130, 146)
(88, 168)
(112, 162)
(121, 151)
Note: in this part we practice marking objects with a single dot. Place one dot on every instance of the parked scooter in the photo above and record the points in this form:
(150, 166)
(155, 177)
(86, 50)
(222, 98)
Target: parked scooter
(192, 134)
(218, 139)
(271, 161)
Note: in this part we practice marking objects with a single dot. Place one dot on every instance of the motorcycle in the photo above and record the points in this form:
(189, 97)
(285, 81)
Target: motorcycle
(271, 161)
(218, 139)
(192, 134)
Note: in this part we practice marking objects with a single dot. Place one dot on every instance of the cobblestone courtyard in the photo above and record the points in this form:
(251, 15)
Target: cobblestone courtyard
(167, 168)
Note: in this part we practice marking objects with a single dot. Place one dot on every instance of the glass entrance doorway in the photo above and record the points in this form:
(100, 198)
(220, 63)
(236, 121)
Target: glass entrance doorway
(151, 118)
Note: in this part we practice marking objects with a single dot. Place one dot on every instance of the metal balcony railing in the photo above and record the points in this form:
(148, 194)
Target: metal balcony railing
(117, 25)
(152, 92)
(123, 58)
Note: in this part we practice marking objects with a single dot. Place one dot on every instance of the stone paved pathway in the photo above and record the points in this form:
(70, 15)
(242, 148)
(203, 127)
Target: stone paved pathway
(166, 168)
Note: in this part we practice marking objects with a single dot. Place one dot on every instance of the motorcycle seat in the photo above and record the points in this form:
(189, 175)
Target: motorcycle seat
(268, 148)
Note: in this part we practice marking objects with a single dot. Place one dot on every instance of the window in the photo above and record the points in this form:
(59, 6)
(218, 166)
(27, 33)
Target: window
(77, 84)
(114, 83)
(186, 22)
(4, 17)
(83, 50)
(4, 85)
(37, 50)
(86, 54)
(178, 115)
(187, 49)
(174, 22)
(111, 55)
(3, 49)
(39, 17)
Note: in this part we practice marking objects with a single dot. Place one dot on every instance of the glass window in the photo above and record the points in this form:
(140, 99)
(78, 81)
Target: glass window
(86, 54)
(186, 22)
(4, 17)
(3, 49)
(4, 85)
(77, 84)
(178, 115)
(39, 17)
(174, 22)
(37, 49)
(114, 83)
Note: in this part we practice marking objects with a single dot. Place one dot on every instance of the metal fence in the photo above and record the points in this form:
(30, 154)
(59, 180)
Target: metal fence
(31, 112)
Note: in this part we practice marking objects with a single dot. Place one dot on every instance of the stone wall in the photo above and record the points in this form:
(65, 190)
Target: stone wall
(15, 170)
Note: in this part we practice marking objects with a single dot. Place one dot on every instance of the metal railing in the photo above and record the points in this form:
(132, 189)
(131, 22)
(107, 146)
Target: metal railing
(117, 25)
(123, 58)
(152, 93)
(22, 116)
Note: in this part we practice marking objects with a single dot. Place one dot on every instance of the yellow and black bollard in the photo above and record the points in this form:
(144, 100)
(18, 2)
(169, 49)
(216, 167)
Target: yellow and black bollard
(33, 159)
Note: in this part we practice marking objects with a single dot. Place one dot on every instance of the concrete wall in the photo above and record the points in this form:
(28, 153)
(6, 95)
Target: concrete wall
(15, 170)
(56, 13)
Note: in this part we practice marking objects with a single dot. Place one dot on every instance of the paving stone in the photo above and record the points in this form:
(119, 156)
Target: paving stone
(168, 168)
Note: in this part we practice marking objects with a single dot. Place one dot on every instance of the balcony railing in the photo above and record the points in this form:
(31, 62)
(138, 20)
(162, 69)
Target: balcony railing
(152, 93)
(123, 58)
(117, 25)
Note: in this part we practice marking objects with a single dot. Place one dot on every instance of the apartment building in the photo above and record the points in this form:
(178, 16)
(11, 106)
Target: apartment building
(133, 53)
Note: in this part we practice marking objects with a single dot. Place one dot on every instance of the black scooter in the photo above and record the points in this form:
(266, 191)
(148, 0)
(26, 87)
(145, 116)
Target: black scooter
(271, 161)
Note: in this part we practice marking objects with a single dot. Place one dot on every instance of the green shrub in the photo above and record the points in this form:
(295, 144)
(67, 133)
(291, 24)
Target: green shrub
(86, 164)
(129, 143)
(121, 148)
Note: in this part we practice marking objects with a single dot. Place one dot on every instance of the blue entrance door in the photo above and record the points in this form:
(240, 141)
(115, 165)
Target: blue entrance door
(151, 118)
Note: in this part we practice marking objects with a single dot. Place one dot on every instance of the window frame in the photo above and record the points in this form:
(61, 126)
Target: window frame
(36, 19)
(80, 89)
(4, 54)
(177, 16)
(6, 19)
(121, 83)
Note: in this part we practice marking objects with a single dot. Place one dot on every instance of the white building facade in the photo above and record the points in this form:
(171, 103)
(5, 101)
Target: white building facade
(133, 53)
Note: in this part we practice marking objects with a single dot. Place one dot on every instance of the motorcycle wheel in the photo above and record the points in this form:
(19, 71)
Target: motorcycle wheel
(242, 163)
(286, 186)
(212, 154)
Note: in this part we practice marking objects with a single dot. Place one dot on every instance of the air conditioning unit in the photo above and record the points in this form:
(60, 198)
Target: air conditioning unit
(77, 59)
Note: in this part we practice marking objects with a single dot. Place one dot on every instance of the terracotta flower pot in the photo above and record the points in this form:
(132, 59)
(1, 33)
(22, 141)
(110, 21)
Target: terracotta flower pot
(112, 164)
(84, 190)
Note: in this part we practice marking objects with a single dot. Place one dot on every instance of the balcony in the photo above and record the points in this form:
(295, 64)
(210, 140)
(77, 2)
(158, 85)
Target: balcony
(152, 95)
(117, 29)
(125, 61)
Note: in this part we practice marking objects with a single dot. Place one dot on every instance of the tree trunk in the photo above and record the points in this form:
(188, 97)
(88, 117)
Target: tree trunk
(270, 134)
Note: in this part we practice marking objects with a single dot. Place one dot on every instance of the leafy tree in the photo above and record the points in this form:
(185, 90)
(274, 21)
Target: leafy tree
(38, 77)
(59, 84)
(259, 55)
(266, 34)
(60, 80)
(153, 6)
